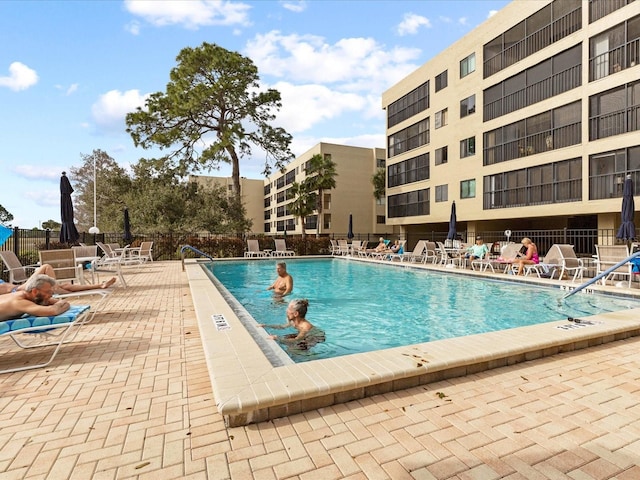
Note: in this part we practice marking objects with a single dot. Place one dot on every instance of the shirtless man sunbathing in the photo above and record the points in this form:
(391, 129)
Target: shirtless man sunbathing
(284, 283)
(60, 289)
(36, 298)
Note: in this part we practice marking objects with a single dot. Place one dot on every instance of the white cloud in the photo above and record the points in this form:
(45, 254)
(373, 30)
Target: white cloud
(492, 13)
(42, 197)
(351, 63)
(304, 106)
(463, 21)
(295, 6)
(192, 14)
(20, 77)
(36, 172)
(68, 90)
(110, 110)
(411, 23)
(133, 27)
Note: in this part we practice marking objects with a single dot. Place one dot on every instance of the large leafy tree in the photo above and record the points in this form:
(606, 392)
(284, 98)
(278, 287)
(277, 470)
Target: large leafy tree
(113, 189)
(304, 202)
(321, 176)
(212, 112)
(5, 217)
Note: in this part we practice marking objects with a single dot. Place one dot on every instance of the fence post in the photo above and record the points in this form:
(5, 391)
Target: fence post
(564, 232)
(16, 240)
(47, 238)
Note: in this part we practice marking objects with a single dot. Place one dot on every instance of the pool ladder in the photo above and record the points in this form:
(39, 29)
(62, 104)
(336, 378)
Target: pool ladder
(193, 249)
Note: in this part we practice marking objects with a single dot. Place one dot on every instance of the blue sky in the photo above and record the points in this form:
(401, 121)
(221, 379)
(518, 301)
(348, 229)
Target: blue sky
(70, 71)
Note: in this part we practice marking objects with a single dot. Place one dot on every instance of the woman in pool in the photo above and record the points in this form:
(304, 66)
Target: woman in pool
(307, 335)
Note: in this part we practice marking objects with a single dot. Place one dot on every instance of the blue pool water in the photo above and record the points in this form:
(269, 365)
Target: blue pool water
(364, 307)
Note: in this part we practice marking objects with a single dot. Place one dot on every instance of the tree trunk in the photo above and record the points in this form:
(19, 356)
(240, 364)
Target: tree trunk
(235, 174)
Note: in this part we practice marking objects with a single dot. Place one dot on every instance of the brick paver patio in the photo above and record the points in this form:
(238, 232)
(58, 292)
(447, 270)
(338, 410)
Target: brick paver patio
(131, 398)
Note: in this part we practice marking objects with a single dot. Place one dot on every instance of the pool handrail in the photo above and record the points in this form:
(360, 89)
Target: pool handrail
(193, 249)
(603, 274)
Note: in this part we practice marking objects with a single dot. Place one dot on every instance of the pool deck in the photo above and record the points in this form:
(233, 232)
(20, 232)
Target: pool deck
(132, 397)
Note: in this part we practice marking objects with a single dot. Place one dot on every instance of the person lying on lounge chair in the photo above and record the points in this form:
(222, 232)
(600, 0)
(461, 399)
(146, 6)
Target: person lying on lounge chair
(36, 298)
(60, 289)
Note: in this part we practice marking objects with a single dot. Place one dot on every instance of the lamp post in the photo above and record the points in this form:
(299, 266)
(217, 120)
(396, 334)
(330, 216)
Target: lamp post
(94, 230)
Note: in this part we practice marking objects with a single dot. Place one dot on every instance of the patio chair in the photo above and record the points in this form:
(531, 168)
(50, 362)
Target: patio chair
(481, 264)
(508, 253)
(609, 255)
(18, 273)
(450, 255)
(335, 249)
(253, 249)
(109, 260)
(343, 247)
(281, 249)
(362, 250)
(50, 331)
(63, 262)
(142, 253)
(431, 252)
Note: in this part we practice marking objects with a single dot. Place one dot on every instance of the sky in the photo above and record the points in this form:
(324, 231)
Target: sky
(70, 71)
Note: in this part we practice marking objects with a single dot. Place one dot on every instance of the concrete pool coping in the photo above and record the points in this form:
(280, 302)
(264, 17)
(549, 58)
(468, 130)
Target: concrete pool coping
(248, 388)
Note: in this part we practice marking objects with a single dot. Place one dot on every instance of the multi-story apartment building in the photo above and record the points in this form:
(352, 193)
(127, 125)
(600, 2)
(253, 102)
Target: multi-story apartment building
(530, 121)
(353, 193)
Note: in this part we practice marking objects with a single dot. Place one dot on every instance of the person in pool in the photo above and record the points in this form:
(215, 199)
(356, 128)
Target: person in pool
(284, 283)
(307, 335)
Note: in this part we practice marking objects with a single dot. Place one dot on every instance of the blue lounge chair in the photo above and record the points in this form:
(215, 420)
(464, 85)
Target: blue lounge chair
(44, 331)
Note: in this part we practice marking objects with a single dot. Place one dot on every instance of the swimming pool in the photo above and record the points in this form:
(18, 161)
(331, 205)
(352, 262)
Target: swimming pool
(365, 307)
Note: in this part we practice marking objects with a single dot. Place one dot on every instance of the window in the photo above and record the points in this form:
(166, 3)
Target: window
(441, 81)
(409, 204)
(442, 155)
(467, 65)
(380, 162)
(442, 193)
(381, 219)
(327, 221)
(468, 106)
(608, 170)
(468, 188)
(614, 50)
(441, 118)
(601, 8)
(407, 106)
(409, 138)
(468, 147)
(408, 171)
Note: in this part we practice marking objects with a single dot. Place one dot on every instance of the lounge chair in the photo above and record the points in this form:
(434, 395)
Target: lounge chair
(343, 247)
(450, 255)
(559, 257)
(18, 273)
(413, 256)
(362, 250)
(609, 255)
(253, 249)
(508, 253)
(431, 252)
(51, 331)
(281, 249)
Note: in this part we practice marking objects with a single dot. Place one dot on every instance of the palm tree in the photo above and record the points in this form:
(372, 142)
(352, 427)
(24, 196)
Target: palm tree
(303, 204)
(321, 175)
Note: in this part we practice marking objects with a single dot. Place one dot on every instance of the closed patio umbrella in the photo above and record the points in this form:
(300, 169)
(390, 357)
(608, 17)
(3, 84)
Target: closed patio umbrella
(350, 230)
(452, 223)
(68, 230)
(627, 230)
(127, 237)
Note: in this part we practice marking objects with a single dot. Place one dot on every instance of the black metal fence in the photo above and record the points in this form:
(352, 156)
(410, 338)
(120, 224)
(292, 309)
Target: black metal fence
(27, 243)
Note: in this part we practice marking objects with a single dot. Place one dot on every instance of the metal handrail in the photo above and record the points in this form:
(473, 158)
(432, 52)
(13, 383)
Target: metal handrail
(603, 274)
(193, 249)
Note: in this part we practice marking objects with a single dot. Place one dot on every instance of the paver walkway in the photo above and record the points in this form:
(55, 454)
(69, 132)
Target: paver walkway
(131, 398)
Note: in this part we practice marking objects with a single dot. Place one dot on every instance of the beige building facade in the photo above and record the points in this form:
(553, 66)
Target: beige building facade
(528, 122)
(250, 192)
(353, 194)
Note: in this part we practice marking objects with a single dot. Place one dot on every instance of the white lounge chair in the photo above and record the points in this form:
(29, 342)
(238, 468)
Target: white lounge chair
(281, 249)
(562, 258)
(253, 249)
(416, 255)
